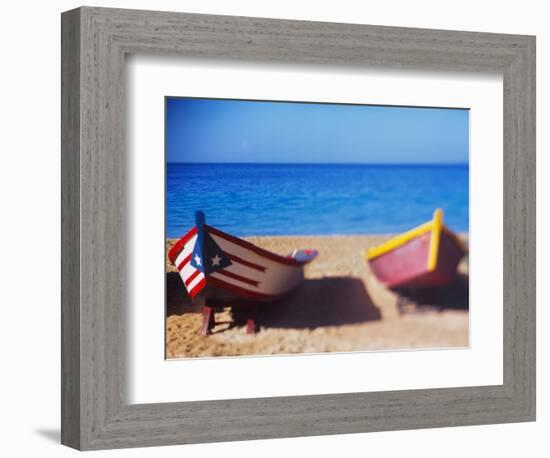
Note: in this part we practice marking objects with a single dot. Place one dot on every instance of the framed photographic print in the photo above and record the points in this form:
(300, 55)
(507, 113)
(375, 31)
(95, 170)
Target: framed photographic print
(254, 206)
(323, 176)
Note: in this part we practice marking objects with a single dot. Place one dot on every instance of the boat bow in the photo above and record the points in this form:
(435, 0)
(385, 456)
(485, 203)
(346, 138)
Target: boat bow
(206, 256)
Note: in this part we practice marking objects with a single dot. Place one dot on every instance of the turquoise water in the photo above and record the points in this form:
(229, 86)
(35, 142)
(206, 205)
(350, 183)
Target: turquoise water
(314, 199)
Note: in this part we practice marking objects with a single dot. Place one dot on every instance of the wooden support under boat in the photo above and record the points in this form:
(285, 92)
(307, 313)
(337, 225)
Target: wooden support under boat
(208, 320)
(209, 317)
(250, 326)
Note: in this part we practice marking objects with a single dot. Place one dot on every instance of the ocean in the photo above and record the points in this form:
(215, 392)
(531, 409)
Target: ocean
(314, 199)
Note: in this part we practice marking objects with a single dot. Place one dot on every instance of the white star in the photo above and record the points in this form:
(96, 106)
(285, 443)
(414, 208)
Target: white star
(216, 260)
(197, 260)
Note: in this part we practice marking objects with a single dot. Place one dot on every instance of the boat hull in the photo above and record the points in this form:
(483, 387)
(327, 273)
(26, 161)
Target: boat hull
(254, 275)
(407, 266)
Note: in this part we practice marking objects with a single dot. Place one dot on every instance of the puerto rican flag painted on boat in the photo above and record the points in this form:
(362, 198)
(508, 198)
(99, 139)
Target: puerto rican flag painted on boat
(206, 255)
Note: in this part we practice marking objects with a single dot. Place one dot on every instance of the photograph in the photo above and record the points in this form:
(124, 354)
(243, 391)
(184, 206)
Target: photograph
(307, 227)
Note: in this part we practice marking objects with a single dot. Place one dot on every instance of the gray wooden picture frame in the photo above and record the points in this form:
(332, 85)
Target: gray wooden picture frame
(95, 413)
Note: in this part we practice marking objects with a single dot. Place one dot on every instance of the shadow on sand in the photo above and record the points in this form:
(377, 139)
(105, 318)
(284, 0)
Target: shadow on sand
(329, 301)
(452, 297)
(177, 299)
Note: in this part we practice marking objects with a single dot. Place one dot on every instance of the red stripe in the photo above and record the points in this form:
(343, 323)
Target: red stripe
(185, 261)
(244, 262)
(260, 251)
(197, 288)
(179, 245)
(242, 291)
(192, 277)
(238, 277)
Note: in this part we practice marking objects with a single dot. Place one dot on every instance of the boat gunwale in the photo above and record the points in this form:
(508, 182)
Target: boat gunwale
(402, 239)
(397, 241)
(178, 247)
(256, 249)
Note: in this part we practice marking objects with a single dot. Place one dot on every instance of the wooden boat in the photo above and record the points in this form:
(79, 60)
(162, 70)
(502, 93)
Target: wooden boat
(220, 270)
(426, 256)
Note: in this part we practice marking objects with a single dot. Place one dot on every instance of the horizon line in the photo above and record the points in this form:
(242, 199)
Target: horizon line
(323, 163)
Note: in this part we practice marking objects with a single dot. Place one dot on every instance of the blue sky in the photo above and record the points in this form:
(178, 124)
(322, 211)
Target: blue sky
(210, 130)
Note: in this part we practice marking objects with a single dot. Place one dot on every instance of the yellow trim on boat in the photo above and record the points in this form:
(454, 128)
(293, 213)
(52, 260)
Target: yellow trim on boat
(437, 225)
(396, 242)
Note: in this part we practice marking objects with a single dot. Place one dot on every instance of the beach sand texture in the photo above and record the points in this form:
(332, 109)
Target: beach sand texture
(340, 307)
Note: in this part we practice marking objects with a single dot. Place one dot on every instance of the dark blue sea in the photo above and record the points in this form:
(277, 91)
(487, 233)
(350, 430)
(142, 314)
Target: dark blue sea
(314, 199)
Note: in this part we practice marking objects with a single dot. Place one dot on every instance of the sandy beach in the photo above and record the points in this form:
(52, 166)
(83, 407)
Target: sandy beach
(340, 307)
